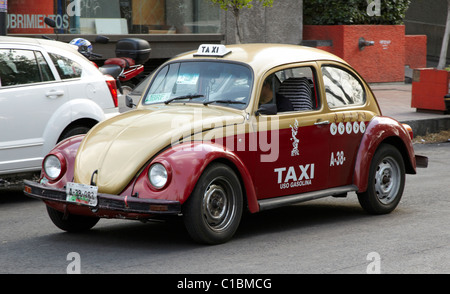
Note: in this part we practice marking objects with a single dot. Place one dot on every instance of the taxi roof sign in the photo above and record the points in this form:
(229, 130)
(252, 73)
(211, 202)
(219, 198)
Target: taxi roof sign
(217, 50)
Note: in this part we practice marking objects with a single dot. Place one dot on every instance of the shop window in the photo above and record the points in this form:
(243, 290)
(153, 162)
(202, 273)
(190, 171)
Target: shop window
(114, 16)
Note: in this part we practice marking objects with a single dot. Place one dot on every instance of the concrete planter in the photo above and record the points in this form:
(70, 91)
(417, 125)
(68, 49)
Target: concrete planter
(430, 87)
(382, 61)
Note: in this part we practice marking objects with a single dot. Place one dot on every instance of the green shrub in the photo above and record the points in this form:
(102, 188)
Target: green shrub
(332, 12)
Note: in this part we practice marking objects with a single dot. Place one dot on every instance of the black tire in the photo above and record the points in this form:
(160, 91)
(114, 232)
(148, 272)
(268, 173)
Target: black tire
(71, 223)
(386, 181)
(77, 130)
(213, 211)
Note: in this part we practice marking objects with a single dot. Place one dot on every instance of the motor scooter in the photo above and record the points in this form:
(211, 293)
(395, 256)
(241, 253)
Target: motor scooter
(131, 54)
(128, 65)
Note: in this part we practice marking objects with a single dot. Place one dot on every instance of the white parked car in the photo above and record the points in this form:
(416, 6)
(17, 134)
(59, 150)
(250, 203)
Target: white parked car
(48, 92)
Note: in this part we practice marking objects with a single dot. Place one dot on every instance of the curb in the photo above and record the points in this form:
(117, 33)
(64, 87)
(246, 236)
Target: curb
(423, 127)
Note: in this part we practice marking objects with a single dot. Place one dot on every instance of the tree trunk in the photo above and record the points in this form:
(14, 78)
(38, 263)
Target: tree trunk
(237, 27)
(443, 56)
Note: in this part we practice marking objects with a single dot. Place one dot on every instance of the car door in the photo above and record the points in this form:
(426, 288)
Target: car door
(30, 92)
(293, 143)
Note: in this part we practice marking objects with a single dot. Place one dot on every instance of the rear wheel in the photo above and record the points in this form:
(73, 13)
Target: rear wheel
(71, 222)
(386, 181)
(213, 212)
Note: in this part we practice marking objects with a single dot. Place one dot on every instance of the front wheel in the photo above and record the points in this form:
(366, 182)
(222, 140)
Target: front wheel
(386, 181)
(213, 211)
(71, 222)
(77, 130)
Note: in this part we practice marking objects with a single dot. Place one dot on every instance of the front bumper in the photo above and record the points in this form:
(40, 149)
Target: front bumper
(107, 202)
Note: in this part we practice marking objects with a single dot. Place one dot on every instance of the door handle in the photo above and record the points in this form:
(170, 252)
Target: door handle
(322, 122)
(54, 93)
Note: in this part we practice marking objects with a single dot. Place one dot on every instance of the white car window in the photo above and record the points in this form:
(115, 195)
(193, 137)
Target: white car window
(19, 67)
(67, 68)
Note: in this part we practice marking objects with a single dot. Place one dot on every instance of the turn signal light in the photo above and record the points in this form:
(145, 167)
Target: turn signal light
(409, 130)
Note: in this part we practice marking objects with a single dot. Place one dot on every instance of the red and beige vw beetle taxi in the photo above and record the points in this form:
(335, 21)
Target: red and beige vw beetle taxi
(231, 128)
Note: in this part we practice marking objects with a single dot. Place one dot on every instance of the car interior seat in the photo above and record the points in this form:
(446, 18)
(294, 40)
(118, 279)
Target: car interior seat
(298, 91)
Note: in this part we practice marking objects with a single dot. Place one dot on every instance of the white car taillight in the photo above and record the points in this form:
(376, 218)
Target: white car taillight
(112, 86)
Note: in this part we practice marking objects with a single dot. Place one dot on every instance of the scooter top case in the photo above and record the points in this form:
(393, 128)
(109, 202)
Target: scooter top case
(134, 48)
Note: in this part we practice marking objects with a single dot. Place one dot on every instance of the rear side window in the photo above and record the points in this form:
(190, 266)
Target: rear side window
(67, 68)
(19, 67)
(342, 88)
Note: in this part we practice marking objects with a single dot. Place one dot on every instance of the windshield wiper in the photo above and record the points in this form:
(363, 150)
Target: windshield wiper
(223, 101)
(190, 96)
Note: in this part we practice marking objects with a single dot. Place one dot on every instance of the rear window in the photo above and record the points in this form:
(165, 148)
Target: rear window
(342, 88)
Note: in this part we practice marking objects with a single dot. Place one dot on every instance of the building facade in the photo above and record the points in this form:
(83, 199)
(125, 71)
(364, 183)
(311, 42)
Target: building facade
(170, 26)
(428, 18)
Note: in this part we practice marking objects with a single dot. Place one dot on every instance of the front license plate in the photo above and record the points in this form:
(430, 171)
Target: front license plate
(82, 194)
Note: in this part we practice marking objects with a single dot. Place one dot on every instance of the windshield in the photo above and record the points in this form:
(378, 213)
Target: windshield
(204, 82)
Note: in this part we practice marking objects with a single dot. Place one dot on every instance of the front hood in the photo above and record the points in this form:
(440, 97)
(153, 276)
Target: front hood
(119, 147)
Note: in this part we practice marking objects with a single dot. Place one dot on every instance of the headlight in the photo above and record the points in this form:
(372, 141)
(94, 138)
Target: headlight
(158, 176)
(53, 167)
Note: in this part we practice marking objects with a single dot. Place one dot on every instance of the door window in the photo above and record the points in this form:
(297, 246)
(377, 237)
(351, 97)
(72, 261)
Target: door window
(291, 89)
(19, 67)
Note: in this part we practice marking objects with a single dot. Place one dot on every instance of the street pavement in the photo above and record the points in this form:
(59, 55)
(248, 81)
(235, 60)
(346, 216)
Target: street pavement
(395, 101)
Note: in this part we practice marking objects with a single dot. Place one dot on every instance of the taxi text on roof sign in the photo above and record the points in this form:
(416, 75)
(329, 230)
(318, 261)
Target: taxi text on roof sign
(212, 50)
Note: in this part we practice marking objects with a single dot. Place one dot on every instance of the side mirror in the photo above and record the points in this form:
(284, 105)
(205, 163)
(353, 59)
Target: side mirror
(101, 39)
(129, 101)
(267, 109)
(50, 22)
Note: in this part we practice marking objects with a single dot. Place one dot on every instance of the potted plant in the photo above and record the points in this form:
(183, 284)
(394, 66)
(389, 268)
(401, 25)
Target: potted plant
(370, 35)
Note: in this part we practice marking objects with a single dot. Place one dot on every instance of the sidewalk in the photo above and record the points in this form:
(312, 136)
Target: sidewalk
(395, 101)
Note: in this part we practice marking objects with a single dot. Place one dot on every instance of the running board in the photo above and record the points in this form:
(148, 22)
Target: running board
(271, 203)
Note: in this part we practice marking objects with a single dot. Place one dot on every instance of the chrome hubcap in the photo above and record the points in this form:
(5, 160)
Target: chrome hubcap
(218, 204)
(387, 180)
